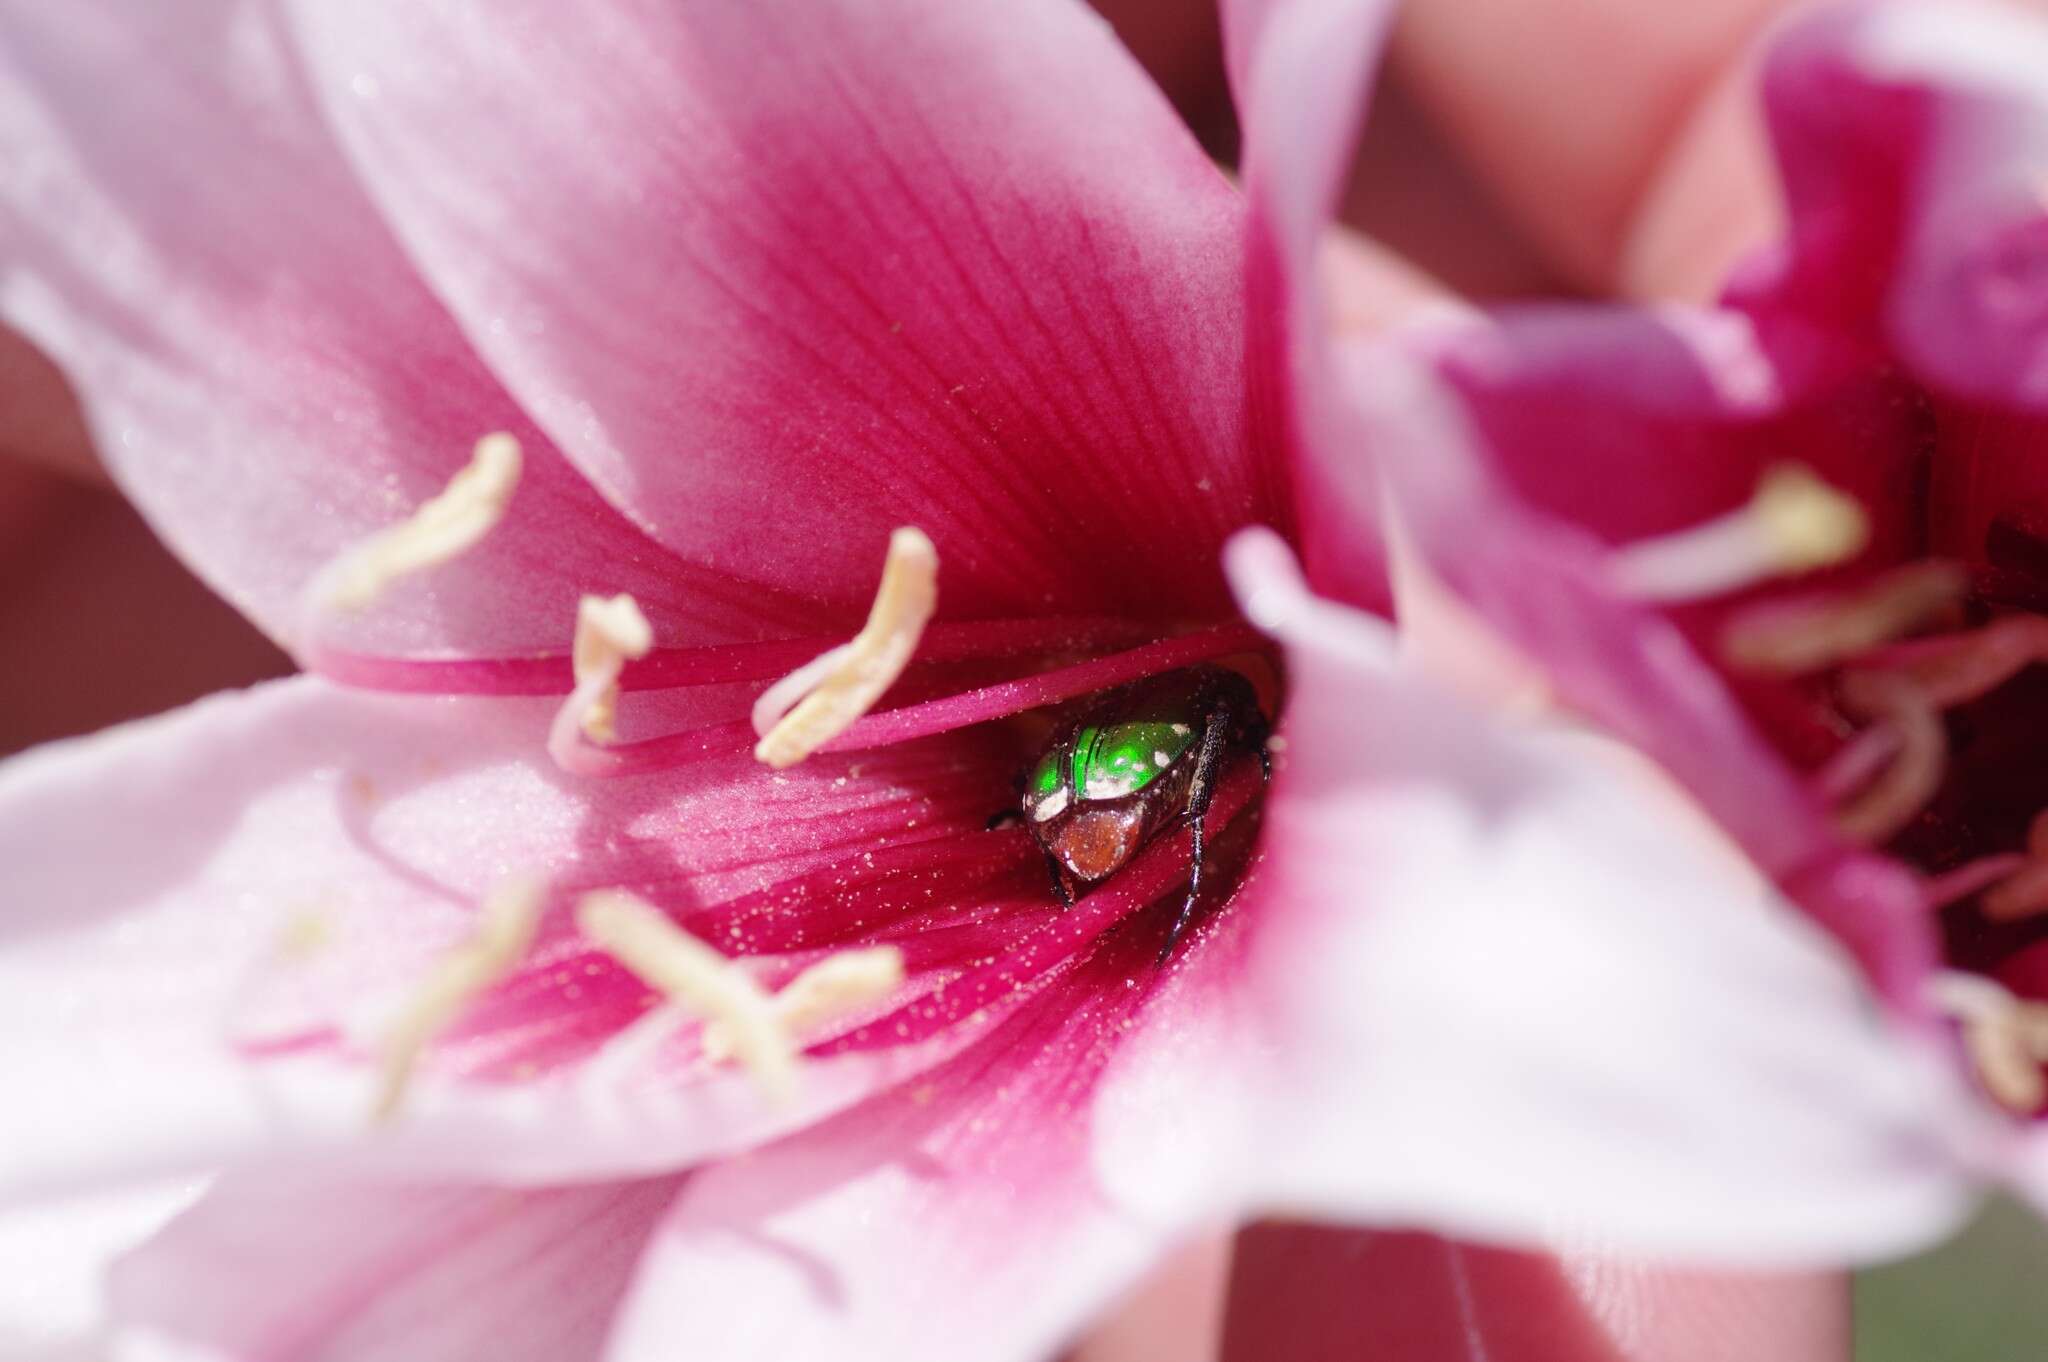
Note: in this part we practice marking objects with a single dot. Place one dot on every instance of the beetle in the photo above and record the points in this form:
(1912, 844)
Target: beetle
(1133, 761)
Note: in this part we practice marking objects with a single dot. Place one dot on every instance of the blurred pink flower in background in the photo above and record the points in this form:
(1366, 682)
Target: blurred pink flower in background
(752, 290)
(1868, 734)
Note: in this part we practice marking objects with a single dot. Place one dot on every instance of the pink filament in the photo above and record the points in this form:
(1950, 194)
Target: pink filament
(1791, 638)
(1971, 878)
(664, 668)
(1046, 688)
(932, 717)
(1897, 793)
(1958, 668)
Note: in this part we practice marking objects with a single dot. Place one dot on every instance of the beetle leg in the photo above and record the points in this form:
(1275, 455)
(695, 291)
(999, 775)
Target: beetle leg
(1257, 730)
(1201, 789)
(1059, 880)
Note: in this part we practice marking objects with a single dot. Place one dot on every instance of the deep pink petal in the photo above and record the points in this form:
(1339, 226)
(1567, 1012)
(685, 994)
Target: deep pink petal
(1300, 1293)
(1302, 70)
(1504, 981)
(210, 914)
(264, 373)
(268, 1266)
(782, 279)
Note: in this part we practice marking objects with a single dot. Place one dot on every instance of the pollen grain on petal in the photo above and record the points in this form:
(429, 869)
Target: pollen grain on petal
(443, 527)
(823, 698)
(506, 921)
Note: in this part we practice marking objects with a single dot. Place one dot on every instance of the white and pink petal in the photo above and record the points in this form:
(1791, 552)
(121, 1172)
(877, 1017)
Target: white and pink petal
(263, 371)
(274, 1267)
(781, 280)
(1511, 984)
(213, 915)
(1302, 71)
(957, 1215)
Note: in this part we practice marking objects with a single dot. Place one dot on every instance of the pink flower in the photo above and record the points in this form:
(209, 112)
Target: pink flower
(753, 286)
(1791, 547)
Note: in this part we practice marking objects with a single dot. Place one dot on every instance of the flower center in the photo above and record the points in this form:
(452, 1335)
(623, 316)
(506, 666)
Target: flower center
(1908, 696)
(781, 979)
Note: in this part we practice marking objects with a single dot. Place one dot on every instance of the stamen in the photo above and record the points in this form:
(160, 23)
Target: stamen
(1963, 667)
(2006, 1038)
(443, 527)
(1895, 796)
(609, 633)
(1794, 638)
(2024, 893)
(742, 1020)
(830, 989)
(1971, 878)
(1795, 523)
(820, 700)
(505, 926)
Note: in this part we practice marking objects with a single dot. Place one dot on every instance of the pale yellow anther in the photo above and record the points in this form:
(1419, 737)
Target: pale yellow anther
(2006, 1038)
(822, 699)
(1795, 523)
(609, 633)
(828, 990)
(1810, 523)
(444, 526)
(505, 925)
(697, 979)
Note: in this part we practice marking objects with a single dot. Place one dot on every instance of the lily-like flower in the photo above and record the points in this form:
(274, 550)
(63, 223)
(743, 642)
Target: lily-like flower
(525, 1011)
(1791, 546)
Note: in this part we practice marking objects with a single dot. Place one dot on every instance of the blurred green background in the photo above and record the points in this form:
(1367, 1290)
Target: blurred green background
(1981, 1297)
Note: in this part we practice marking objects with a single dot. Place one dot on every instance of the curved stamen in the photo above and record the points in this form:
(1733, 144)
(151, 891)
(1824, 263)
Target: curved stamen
(823, 993)
(608, 632)
(742, 1020)
(443, 526)
(505, 926)
(1896, 796)
(822, 699)
(1958, 668)
(1973, 878)
(2007, 1038)
(1795, 523)
(1793, 638)
(2025, 892)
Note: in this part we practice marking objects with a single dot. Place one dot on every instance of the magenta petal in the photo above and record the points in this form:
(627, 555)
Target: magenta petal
(785, 278)
(264, 373)
(1914, 141)
(1302, 70)
(269, 1266)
